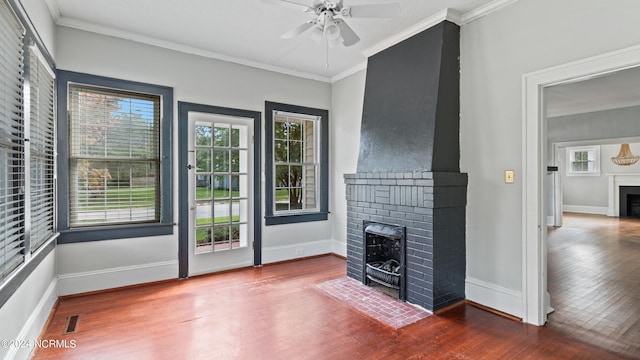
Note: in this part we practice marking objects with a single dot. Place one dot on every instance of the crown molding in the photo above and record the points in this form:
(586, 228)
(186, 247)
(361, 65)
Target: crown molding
(103, 30)
(591, 109)
(350, 71)
(445, 14)
(54, 9)
(484, 10)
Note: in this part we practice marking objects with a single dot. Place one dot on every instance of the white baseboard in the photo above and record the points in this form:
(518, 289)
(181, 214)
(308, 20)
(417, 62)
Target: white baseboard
(294, 251)
(494, 296)
(551, 221)
(116, 277)
(35, 323)
(339, 248)
(215, 269)
(598, 210)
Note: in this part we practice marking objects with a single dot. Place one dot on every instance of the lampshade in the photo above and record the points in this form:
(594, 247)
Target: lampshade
(625, 157)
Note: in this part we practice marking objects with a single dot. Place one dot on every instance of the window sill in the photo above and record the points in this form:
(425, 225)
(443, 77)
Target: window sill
(295, 218)
(113, 232)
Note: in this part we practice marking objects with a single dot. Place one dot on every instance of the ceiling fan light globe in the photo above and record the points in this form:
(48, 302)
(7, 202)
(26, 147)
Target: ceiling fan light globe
(331, 31)
(316, 34)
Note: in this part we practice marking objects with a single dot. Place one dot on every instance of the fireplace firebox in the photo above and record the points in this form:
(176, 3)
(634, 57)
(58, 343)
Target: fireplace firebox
(630, 201)
(384, 256)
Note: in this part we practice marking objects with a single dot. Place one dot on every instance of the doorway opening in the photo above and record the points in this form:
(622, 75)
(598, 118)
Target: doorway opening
(542, 204)
(220, 222)
(535, 296)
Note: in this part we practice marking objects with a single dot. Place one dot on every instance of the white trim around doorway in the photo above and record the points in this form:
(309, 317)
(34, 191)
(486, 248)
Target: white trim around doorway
(534, 250)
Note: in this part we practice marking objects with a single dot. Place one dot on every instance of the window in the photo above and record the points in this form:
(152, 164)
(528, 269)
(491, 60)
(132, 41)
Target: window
(27, 160)
(583, 161)
(297, 167)
(11, 143)
(117, 182)
(41, 145)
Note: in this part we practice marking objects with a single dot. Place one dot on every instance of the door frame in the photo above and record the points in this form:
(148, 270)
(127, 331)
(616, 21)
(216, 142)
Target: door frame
(534, 139)
(184, 108)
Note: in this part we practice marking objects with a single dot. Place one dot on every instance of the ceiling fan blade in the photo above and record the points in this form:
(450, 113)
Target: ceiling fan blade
(297, 30)
(388, 10)
(292, 4)
(349, 37)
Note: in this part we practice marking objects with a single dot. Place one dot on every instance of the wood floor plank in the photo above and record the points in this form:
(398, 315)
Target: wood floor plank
(277, 312)
(593, 263)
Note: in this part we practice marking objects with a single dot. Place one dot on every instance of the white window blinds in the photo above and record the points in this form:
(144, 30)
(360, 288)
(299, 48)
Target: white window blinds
(41, 145)
(114, 154)
(11, 142)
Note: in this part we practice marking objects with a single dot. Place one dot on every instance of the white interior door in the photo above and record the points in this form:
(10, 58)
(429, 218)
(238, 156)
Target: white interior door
(220, 192)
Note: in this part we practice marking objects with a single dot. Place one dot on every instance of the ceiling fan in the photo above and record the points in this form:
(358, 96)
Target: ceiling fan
(329, 19)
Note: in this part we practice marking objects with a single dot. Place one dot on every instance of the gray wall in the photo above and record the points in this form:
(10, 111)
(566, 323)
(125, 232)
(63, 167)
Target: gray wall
(104, 264)
(347, 98)
(496, 51)
(593, 191)
(606, 124)
(593, 128)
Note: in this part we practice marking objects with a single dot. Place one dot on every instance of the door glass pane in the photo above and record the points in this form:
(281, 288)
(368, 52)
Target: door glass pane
(203, 134)
(235, 161)
(203, 187)
(222, 212)
(203, 160)
(221, 238)
(203, 240)
(235, 137)
(241, 186)
(221, 135)
(235, 236)
(203, 213)
(221, 187)
(221, 160)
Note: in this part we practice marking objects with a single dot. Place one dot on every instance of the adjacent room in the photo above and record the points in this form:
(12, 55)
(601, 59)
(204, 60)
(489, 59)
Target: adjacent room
(318, 179)
(593, 237)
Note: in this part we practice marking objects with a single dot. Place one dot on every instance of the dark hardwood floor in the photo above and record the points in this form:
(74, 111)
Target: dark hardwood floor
(277, 312)
(594, 281)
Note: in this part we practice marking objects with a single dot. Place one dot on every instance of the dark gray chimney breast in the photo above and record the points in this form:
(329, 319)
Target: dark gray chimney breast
(408, 171)
(410, 118)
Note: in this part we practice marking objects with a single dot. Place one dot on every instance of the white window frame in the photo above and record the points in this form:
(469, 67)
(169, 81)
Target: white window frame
(320, 210)
(593, 155)
(315, 163)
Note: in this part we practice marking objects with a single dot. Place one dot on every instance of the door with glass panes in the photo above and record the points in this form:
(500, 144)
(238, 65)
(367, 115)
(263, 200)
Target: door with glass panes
(220, 192)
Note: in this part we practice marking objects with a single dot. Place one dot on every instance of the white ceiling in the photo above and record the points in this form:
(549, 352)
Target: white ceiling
(616, 90)
(248, 31)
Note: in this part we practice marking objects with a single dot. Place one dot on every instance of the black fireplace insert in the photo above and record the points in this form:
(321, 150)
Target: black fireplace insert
(384, 256)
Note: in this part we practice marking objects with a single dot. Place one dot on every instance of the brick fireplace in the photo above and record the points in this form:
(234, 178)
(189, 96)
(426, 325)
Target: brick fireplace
(408, 166)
